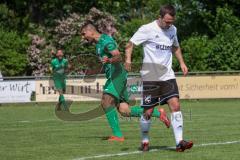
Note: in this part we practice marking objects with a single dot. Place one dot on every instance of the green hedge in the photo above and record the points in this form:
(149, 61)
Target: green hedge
(13, 57)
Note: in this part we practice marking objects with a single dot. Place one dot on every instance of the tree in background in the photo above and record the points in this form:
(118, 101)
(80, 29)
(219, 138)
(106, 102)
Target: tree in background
(65, 35)
(13, 58)
(219, 52)
(208, 31)
(13, 45)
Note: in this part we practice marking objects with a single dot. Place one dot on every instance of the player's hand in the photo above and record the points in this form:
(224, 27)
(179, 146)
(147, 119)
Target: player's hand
(184, 69)
(50, 70)
(105, 59)
(70, 66)
(127, 66)
(52, 52)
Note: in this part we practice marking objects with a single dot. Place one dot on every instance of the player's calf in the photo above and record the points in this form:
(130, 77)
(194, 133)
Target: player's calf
(109, 107)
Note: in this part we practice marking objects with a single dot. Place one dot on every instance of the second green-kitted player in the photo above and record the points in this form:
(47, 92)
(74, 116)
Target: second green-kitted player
(59, 66)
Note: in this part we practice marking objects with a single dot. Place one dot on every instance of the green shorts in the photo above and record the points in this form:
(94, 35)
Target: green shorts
(118, 89)
(60, 84)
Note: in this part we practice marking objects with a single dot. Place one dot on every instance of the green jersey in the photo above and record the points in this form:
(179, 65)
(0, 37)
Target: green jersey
(59, 67)
(105, 45)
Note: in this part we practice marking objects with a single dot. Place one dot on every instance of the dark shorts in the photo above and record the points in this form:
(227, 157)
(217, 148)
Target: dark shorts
(158, 92)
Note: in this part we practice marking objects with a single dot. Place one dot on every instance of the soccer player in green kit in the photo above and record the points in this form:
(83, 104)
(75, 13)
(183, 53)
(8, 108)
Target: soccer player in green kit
(115, 91)
(59, 66)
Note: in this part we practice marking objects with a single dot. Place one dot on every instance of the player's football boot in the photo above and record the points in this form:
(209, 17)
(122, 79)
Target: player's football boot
(163, 117)
(184, 145)
(144, 146)
(115, 138)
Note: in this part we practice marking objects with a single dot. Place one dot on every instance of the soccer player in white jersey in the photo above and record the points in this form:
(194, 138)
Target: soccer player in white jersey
(159, 40)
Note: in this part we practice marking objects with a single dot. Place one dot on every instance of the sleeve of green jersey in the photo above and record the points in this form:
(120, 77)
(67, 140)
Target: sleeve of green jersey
(111, 46)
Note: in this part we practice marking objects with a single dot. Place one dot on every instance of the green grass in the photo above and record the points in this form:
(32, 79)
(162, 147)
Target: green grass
(32, 132)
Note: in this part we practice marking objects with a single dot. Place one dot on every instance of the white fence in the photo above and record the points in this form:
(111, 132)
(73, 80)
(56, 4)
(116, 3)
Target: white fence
(41, 89)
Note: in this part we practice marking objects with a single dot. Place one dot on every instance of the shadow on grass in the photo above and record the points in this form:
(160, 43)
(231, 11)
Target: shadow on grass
(154, 148)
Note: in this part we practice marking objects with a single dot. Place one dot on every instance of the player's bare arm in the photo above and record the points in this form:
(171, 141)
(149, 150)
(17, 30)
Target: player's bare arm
(178, 54)
(128, 56)
(116, 57)
(68, 68)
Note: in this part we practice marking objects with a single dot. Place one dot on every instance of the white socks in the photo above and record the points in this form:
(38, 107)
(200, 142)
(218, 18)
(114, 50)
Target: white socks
(177, 124)
(145, 126)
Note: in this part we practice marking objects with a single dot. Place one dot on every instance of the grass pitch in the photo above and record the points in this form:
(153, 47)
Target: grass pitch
(33, 132)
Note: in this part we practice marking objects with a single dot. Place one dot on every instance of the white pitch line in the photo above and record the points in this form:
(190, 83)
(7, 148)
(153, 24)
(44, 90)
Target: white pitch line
(153, 150)
(43, 120)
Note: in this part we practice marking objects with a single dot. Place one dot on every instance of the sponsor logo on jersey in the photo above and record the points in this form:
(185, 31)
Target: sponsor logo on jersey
(163, 47)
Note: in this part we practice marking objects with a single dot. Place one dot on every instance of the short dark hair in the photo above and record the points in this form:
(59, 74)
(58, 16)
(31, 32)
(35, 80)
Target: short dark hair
(86, 25)
(167, 9)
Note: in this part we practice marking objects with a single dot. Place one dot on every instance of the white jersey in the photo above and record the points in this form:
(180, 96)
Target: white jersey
(157, 45)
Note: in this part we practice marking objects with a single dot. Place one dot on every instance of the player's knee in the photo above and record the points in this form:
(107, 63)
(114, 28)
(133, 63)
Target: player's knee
(148, 113)
(107, 101)
(64, 90)
(124, 111)
(174, 104)
(175, 107)
(60, 92)
(147, 116)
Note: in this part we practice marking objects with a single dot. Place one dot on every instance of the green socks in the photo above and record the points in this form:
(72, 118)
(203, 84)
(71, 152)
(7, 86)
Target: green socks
(137, 111)
(61, 99)
(112, 117)
(156, 113)
(113, 121)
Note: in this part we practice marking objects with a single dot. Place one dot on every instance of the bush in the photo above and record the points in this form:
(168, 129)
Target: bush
(226, 53)
(196, 51)
(13, 58)
(220, 53)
